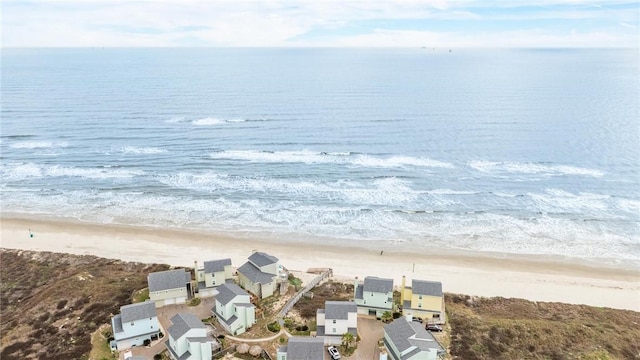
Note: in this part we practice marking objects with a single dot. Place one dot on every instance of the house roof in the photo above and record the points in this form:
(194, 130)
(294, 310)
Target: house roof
(378, 285)
(305, 348)
(406, 334)
(138, 311)
(261, 259)
(213, 266)
(116, 324)
(422, 287)
(254, 274)
(359, 291)
(182, 323)
(228, 292)
(166, 280)
(339, 309)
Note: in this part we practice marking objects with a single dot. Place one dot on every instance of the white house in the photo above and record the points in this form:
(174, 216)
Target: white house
(213, 274)
(261, 275)
(169, 287)
(234, 309)
(374, 296)
(135, 324)
(336, 319)
(188, 339)
(302, 348)
(408, 340)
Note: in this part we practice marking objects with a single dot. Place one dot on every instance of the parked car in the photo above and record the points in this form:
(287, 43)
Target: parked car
(333, 351)
(416, 319)
(433, 327)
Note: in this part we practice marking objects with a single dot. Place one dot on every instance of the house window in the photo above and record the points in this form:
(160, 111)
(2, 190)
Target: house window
(371, 294)
(420, 297)
(334, 321)
(334, 329)
(436, 316)
(132, 323)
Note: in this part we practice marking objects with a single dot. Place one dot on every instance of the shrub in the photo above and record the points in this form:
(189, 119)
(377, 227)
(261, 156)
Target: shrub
(274, 327)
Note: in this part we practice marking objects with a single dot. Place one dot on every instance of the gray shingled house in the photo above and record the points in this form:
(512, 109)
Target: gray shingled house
(374, 296)
(406, 340)
(135, 324)
(261, 275)
(188, 339)
(336, 319)
(302, 348)
(213, 274)
(169, 287)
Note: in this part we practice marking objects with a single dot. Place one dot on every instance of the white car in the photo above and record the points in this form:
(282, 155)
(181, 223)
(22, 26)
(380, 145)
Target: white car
(333, 351)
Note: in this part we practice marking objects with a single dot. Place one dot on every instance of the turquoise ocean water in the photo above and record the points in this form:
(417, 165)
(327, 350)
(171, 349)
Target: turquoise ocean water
(513, 151)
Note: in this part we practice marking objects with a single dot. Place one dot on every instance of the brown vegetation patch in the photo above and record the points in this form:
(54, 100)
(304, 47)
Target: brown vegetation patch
(499, 328)
(51, 303)
(326, 291)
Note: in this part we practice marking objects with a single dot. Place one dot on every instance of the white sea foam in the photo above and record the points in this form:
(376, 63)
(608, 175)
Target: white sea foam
(628, 205)
(39, 145)
(557, 200)
(533, 168)
(303, 156)
(175, 120)
(212, 121)
(16, 172)
(399, 161)
(208, 122)
(314, 157)
(142, 150)
(451, 192)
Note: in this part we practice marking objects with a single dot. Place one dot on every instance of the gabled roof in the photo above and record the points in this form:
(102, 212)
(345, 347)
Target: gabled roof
(216, 265)
(261, 259)
(182, 323)
(359, 292)
(227, 292)
(339, 310)
(378, 285)
(405, 334)
(133, 312)
(167, 280)
(305, 348)
(422, 287)
(254, 274)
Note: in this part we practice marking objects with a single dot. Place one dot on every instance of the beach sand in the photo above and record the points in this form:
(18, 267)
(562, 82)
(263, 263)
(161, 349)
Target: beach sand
(529, 277)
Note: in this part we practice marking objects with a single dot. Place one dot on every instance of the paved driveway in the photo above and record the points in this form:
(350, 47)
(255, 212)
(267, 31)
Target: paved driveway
(165, 314)
(370, 331)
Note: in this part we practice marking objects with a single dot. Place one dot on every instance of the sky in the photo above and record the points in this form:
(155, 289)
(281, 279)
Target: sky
(320, 23)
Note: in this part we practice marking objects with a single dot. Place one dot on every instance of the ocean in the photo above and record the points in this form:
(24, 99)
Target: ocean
(523, 151)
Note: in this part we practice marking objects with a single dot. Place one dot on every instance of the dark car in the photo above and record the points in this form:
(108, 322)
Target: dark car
(433, 327)
(333, 351)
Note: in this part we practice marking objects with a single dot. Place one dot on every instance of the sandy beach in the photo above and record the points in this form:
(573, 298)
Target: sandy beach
(528, 277)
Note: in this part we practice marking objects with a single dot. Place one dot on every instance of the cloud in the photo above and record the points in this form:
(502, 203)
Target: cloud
(318, 23)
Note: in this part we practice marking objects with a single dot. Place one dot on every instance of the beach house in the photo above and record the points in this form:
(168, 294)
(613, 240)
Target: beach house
(188, 339)
(234, 309)
(374, 296)
(424, 300)
(135, 325)
(336, 319)
(408, 340)
(214, 273)
(302, 348)
(261, 275)
(169, 287)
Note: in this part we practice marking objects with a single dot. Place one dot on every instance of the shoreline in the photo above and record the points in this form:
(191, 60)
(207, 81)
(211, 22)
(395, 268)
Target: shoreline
(532, 277)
